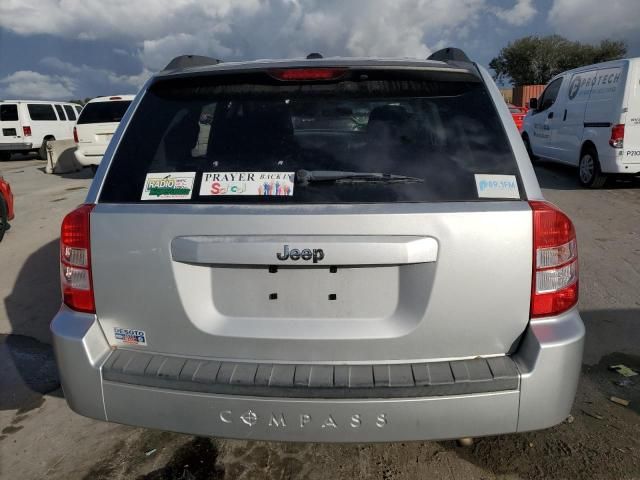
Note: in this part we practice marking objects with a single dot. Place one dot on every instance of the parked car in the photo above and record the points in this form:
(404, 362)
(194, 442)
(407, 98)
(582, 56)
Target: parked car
(589, 118)
(400, 282)
(27, 125)
(96, 125)
(518, 114)
(6, 206)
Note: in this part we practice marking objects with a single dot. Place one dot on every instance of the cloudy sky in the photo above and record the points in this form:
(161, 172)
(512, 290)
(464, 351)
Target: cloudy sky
(78, 48)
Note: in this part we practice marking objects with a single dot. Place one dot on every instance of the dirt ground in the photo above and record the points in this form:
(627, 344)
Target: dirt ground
(41, 438)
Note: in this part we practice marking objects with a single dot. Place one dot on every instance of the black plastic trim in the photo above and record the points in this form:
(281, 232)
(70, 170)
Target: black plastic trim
(597, 124)
(189, 61)
(408, 380)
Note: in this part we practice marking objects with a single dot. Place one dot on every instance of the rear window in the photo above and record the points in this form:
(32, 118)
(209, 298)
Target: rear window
(38, 111)
(103, 112)
(370, 137)
(8, 113)
(71, 114)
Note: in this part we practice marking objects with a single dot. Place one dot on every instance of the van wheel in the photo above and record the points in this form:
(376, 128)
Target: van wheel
(527, 144)
(4, 221)
(589, 172)
(43, 152)
(4, 156)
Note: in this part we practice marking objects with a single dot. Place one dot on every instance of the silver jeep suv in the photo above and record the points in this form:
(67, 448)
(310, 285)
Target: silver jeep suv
(323, 249)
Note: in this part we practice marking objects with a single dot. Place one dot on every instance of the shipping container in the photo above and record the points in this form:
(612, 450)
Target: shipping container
(523, 93)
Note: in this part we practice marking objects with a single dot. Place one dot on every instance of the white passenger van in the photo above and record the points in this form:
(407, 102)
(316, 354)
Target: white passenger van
(27, 125)
(590, 118)
(95, 127)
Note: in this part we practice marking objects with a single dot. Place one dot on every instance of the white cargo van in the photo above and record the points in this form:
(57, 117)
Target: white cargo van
(27, 125)
(589, 118)
(95, 127)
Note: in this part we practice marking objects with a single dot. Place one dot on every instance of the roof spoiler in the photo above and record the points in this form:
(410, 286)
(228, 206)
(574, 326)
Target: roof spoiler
(449, 54)
(188, 61)
(455, 57)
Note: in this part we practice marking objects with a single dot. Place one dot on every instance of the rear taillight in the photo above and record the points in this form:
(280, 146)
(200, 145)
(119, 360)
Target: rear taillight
(75, 260)
(617, 136)
(555, 261)
(75, 134)
(307, 74)
(26, 131)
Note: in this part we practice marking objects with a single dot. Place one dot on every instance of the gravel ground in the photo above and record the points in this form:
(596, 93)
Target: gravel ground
(41, 438)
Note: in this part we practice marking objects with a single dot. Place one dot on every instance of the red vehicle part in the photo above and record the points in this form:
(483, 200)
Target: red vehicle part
(518, 114)
(7, 196)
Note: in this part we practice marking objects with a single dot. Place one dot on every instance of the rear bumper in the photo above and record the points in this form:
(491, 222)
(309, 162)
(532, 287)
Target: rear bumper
(85, 159)
(16, 147)
(613, 160)
(548, 359)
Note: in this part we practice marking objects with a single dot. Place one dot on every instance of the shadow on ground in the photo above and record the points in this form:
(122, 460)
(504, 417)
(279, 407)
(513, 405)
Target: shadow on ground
(611, 331)
(84, 174)
(555, 176)
(27, 366)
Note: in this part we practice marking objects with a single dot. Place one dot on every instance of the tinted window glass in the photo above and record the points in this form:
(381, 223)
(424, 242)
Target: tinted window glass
(78, 109)
(41, 111)
(71, 114)
(60, 112)
(103, 112)
(550, 94)
(8, 113)
(440, 133)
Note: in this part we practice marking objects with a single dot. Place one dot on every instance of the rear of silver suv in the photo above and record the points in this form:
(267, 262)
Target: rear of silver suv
(320, 250)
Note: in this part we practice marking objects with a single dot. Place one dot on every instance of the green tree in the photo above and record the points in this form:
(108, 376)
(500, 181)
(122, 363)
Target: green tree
(534, 60)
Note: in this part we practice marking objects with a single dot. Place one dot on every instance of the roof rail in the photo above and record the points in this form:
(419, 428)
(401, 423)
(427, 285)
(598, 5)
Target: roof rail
(188, 61)
(449, 54)
(314, 55)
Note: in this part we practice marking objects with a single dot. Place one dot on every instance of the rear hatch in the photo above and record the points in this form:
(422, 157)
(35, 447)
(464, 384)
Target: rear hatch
(10, 126)
(328, 215)
(97, 124)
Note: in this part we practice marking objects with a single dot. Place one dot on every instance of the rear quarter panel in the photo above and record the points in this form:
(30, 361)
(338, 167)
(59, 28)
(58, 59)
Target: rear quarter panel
(528, 175)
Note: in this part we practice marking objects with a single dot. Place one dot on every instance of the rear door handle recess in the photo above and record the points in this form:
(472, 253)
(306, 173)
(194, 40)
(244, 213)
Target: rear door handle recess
(565, 115)
(550, 115)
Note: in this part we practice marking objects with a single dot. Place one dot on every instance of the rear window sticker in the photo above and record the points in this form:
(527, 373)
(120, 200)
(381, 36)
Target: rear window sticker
(497, 186)
(247, 183)
(168, 186)
(129, 336)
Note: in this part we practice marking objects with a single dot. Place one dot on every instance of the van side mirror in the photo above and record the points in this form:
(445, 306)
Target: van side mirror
(533, 103)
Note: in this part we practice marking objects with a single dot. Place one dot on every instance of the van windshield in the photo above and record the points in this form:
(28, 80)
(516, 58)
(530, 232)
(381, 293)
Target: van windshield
(103, 112)
(252, 139)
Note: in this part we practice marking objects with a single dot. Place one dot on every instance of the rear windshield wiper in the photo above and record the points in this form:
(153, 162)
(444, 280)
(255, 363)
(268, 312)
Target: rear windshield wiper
(304, 177)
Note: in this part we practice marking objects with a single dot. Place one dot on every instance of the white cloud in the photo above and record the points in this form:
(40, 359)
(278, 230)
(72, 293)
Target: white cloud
(520, 14)
(161, 29)
(593, 20)
(96, 75)
(28, 84)
(154, 31)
